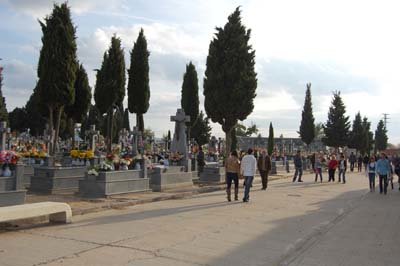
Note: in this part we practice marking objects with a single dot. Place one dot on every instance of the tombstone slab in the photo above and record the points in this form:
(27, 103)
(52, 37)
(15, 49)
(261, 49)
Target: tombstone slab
(162, 179)
(212, 173)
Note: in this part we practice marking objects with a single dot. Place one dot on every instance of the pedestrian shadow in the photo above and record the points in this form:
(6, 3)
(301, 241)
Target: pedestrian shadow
(150, 214)
(288, 239)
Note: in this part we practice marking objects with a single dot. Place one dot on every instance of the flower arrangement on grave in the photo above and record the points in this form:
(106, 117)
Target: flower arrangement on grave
(93, 171)
(81, 155)
(8, 160)
(176, 157)
(106, 166)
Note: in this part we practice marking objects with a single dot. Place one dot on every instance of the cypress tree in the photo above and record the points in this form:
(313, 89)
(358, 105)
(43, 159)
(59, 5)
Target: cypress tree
(307, 126)
(381, 138)
(3, 108)
(169, 139)
(126, 120)
(190, 94)
(337, 126)
(357, 134)
(110, 85)
(77, 111)
(83, 96)
(138, 83)
(233, 139)
(18, 119)
(368, 138)
(36, 114)
(230, 79)
(201, 130)
(271, 139)
(57, 64)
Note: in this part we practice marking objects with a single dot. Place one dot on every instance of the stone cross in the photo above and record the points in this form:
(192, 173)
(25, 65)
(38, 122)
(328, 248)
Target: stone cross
(179, 142)
(94, 137)
(135, 140)
(123, 138)
(3, 130)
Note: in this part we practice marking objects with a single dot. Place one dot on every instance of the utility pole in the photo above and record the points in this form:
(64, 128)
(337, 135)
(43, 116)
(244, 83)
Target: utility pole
(385, 118)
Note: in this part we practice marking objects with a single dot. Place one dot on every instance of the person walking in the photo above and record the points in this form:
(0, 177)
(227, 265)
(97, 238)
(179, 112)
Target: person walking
(365, 162)
(383, 171)
(232, 168)
(342, 169)
(200, 160)
(359, 163)
(396, 165)
(298, 164)
(318, 167)
(332, 165)
(352, 160)
(372, 173)
(248, 168)
(264, 166)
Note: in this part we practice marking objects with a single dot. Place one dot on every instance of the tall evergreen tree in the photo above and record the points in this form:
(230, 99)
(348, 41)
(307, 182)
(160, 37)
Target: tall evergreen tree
(230, 79)
(57, 64)
(169, 139)
(78, 110)
(83, 95)
(36, 114)
(18, 119)
(126, 120)
(307, 126)
(368, 138)
(110, 85)
(337, 126)
(201, 130)
(357, 134)
(233, 139)
(3, 108)
(190, 93)
(381, 138)
(138, 83)
(271, 143)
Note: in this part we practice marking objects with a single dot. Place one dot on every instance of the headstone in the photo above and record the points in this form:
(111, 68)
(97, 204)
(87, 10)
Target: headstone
(179, 142)
(212, 144)
(94, 137)
(124, 138)
(3, 132)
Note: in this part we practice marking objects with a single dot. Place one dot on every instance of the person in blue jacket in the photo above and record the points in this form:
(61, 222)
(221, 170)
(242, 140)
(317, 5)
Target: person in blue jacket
(383, 169)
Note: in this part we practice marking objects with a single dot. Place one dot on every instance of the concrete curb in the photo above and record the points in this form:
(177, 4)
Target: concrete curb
(178, 195)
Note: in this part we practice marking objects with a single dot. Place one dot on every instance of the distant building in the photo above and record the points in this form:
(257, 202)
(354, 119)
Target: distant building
(282, 145)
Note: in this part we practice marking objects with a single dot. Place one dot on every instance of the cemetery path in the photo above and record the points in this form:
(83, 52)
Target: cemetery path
(289, 224)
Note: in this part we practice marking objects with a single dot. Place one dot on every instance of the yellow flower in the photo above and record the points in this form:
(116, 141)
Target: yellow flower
(89, 154)
(74, 154)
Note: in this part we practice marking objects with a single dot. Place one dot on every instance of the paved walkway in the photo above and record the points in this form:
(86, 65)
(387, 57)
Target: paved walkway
(289, 224)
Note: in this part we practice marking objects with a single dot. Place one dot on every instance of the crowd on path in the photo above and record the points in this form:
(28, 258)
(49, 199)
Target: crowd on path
(245, 167)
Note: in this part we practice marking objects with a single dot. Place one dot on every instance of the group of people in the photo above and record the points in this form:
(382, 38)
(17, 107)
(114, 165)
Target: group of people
(245, 168)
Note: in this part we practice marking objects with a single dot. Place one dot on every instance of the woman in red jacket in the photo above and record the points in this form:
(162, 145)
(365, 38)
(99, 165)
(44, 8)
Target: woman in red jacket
(333, 164)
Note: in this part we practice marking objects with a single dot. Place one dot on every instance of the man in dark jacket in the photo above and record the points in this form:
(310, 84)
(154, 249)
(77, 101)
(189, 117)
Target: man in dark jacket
(264, 166)
(298, 164)
(352, 160)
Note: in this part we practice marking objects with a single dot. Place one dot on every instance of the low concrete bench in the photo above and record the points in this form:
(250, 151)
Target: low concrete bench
(57, 212)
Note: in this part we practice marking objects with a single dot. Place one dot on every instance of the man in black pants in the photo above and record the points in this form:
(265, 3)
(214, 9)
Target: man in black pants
(298, 164)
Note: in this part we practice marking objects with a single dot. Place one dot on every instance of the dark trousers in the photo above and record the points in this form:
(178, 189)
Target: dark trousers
(248, 184)
(318, 172)
(331, 173)
(342, 175)
(383, 183)
(359, 166)
(351, 166)
(229, 178)
(371, 177)
(264, 178)
(298, 172)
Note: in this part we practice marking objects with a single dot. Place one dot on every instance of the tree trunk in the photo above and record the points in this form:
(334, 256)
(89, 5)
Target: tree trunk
(228, 142)
(140, 122)
(58, 121)
(73, 132)
(51, 126)
(109, 130)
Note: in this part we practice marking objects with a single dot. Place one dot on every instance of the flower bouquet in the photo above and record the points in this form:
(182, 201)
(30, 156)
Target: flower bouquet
(8, 160)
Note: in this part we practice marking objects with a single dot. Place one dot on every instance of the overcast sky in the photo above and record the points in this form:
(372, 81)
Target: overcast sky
(351, 46)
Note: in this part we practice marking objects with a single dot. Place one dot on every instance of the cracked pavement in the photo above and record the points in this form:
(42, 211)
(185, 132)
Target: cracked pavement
(289, 224)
